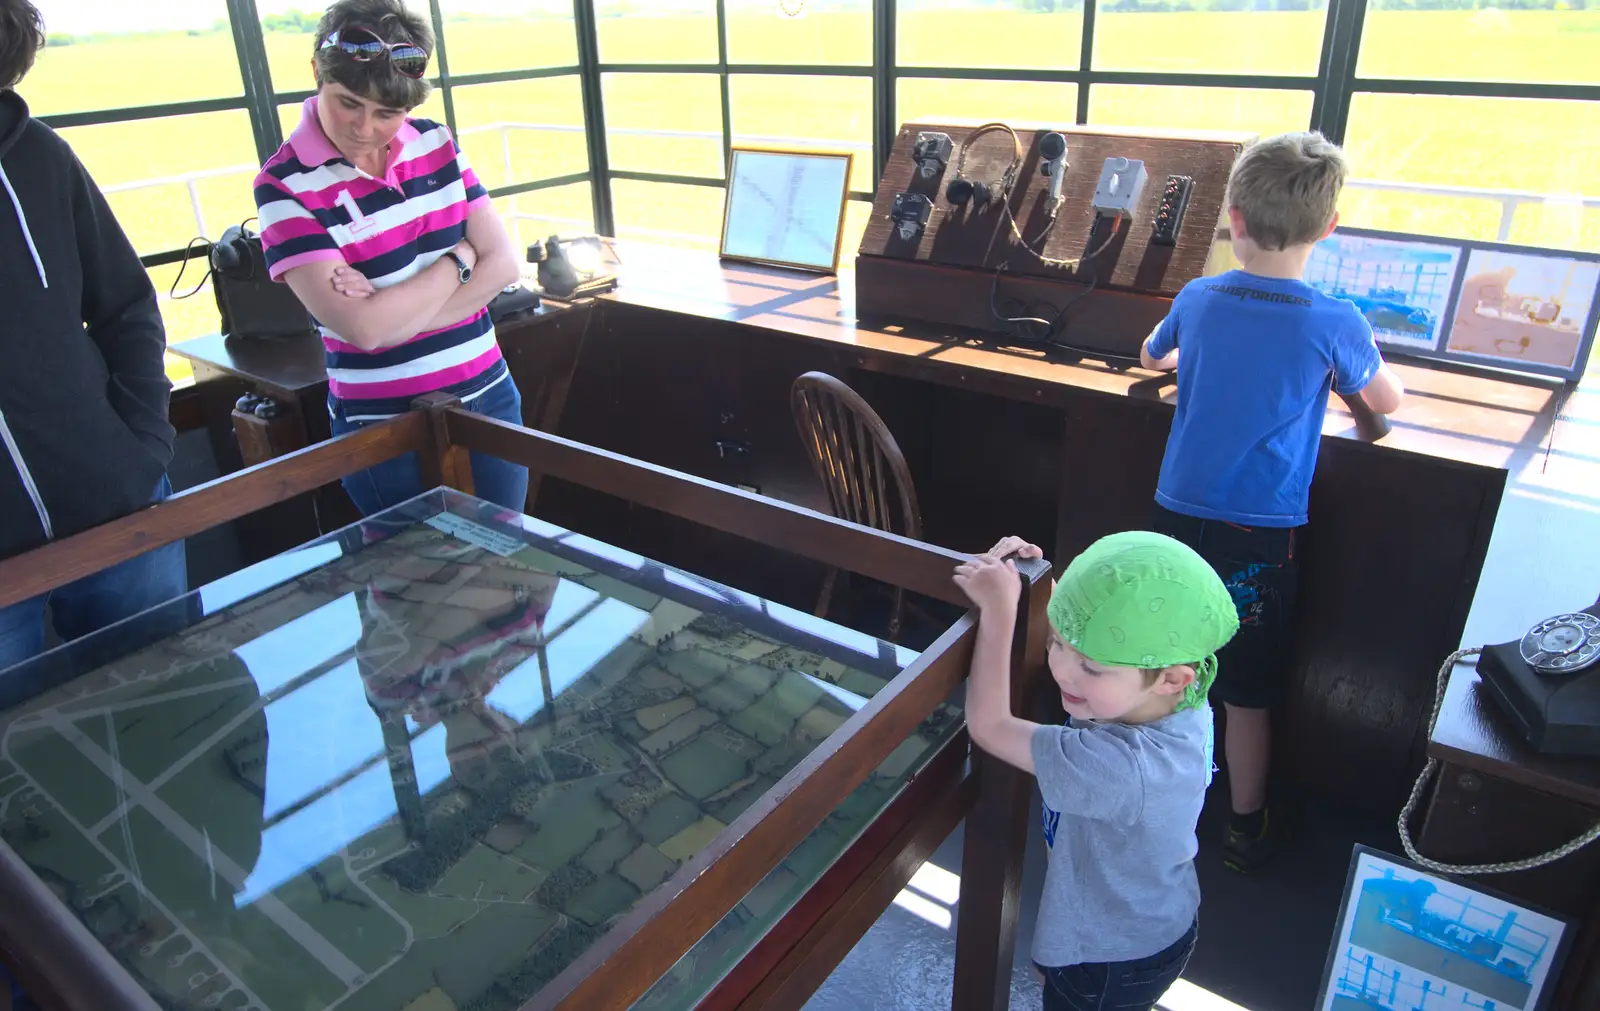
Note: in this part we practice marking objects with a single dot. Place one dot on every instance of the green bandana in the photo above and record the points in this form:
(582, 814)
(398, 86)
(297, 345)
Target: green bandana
(1141, 599)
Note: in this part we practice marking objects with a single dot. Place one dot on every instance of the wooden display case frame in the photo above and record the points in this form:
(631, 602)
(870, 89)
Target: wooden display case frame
(67, 969)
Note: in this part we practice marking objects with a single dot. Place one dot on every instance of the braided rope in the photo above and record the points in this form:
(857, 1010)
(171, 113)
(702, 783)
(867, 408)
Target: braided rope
(1506, 867)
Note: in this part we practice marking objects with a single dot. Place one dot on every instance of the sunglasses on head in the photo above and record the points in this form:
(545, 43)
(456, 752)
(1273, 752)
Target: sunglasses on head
(363, 46)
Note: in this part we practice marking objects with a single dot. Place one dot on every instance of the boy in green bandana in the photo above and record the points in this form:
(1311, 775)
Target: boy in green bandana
(1135, 624)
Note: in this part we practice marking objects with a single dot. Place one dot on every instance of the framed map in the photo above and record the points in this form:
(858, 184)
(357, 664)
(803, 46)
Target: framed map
(786, 207)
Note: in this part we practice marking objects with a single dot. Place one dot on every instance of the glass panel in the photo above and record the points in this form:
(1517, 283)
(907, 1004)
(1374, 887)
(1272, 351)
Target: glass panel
(482, 36)
(534, 217)
(427, 761)
(857, 213)
(1480, 153)
(191, 316)
(1493, 43)
(101, 56)
(289, 30)
(669, 123)
(1048, 35)
(668, 213)
(1261, 111)
(169, 180)
(1233, 37)
(919, 99)
(764, 33)
(521, 131)
(806, 113)
(657, 31)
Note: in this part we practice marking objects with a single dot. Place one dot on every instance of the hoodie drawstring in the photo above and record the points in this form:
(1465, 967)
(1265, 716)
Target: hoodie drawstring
(27, 235)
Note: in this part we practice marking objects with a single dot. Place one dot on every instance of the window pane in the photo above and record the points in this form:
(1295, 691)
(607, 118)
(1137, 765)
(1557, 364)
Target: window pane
(806, 113)
(856, 215)
(102, 56)
(1497, 147)
(191, 316)
(289, 29)
(534, 217)
(840, 34)
(172, 179)
(672, 214)
(521, 131)
(653, 31)
(1483, 45)
(977, 33)
(1265, 112)
(483, 36)
(1217, 41)
(641, 108)
(924, 99)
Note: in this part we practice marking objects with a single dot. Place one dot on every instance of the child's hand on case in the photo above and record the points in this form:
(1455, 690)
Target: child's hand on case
(1015, 546)
(991, 584)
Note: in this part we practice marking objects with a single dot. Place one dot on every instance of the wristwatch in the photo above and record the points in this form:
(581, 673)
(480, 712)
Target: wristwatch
(464, 271)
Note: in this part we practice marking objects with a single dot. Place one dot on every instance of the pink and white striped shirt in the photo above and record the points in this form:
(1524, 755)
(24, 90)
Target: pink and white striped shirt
(313, 204)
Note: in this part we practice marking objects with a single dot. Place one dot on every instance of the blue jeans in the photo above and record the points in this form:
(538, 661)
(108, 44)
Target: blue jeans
(393, 481)
(1134, 985)
(96, 601)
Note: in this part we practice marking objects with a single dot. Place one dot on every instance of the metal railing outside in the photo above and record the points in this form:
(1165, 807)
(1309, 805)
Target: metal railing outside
(1510, 201)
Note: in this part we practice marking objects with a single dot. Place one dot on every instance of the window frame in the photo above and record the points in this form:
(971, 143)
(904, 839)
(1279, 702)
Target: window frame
(1333, 86)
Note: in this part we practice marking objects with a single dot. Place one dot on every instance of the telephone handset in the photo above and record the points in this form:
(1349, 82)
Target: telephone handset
(1548, 682)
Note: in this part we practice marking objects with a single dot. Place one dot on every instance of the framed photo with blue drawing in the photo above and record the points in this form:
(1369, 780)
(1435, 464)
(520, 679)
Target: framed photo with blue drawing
(1411, 940)
(1487, 304)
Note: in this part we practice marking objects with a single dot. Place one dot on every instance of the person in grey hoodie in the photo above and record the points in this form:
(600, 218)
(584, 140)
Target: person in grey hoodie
(83, 385)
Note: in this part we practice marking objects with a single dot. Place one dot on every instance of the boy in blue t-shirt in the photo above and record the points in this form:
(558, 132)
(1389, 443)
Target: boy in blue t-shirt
(1257, 350)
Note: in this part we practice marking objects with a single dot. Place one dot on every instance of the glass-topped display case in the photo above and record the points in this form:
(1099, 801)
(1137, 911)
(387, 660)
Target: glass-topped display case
(424, 764)
(455, 758)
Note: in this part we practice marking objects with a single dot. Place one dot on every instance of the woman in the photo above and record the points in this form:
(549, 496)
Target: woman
(382, 229)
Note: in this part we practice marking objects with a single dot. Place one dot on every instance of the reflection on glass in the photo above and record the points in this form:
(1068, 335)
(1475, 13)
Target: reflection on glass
(431, 770)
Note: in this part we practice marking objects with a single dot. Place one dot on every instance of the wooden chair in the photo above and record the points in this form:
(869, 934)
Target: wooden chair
(861, 466)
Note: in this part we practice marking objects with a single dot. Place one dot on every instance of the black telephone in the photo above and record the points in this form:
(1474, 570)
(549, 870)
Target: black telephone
(1548, 682)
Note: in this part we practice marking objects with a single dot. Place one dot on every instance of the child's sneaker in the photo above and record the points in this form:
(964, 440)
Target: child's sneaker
(1253, 840)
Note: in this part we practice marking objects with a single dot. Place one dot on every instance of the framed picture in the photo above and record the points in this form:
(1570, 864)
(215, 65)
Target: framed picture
(1403, 284)
(786, 207)
(1527, 309)
(1488, 304)
(1410, 940)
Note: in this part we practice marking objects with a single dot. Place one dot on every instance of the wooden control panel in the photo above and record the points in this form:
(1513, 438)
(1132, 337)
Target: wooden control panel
(943, 267)
(982, 238)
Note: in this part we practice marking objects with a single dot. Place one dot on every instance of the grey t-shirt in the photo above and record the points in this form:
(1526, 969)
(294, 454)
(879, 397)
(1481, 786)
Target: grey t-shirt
(1120, 806)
